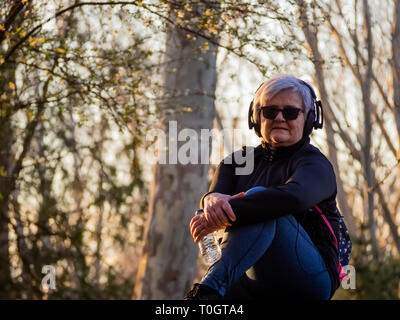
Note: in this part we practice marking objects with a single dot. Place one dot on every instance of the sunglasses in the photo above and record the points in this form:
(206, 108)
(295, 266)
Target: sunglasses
(288, 113)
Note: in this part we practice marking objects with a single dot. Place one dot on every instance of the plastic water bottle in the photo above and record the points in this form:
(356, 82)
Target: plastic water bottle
(209, 247)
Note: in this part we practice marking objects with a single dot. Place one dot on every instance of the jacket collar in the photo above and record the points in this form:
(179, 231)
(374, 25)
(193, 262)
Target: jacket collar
(281, 152)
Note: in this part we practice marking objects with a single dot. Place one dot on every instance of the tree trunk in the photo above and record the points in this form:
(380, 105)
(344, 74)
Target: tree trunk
(396, 65)
(12, 20)
(367, 143)
(6, 164)
(169, 260)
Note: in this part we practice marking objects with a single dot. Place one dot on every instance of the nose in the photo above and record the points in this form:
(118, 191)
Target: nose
(279, 117)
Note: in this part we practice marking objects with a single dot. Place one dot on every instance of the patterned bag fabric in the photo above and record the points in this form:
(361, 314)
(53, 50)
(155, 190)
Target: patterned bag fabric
(344, 242)
(343, 245)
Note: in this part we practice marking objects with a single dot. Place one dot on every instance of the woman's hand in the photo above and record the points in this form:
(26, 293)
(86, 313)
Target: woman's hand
(200, 227)
(213, 218)
(216, 207)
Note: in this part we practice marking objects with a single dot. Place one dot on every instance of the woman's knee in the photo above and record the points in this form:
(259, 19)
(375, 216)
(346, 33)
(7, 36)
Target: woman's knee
(292, 234)
(255, 189)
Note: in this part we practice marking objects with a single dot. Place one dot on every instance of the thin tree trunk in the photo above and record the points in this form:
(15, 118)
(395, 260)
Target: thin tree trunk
(388, 218)
(5, 159)
(396, 66)
(367, 145)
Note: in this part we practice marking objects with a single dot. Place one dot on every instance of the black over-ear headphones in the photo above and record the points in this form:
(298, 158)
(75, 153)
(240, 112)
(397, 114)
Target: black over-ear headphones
(314, 119)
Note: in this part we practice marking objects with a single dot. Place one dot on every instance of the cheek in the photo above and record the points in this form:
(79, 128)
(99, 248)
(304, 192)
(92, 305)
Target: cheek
(265, 131)
(266, 125)
(299, 128)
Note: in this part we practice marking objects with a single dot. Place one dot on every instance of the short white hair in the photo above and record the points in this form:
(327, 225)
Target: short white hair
(281, 82)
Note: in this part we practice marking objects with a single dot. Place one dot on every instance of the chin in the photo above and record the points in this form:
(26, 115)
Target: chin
(279, 139)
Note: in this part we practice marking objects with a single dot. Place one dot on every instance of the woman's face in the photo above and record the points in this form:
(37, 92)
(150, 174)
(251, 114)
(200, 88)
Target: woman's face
(281, 132)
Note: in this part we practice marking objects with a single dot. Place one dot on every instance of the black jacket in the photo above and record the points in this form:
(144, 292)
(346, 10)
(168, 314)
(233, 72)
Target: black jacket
(297, 178)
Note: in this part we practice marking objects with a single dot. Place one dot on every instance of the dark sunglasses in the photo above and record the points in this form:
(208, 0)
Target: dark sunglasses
(288, 113)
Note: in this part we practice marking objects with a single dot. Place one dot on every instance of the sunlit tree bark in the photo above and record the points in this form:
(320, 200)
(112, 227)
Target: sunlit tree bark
(168, 263)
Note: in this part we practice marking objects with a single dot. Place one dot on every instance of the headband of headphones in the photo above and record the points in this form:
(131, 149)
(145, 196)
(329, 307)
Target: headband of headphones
(314, 118)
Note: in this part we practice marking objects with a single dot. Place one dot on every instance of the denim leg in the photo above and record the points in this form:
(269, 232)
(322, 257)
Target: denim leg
(241, 248)
(291, 267)
(271, 259)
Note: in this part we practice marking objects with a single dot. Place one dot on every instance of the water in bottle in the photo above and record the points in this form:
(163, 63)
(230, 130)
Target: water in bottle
(209, 247)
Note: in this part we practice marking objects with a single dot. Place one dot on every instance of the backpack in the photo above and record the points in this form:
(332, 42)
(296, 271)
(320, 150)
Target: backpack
(343, 245)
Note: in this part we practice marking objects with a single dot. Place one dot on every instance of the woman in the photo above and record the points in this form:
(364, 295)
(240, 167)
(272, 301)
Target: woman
(275, 243)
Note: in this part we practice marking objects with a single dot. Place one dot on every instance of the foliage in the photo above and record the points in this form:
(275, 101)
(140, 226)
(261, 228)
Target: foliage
(75, 192)
(71, 75)
(377, 280)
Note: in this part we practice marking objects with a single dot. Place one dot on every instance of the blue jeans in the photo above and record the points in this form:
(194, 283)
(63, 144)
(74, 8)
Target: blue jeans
(272, 259)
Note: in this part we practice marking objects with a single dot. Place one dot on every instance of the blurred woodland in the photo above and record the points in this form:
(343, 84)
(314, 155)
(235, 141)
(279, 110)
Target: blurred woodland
(83, 82)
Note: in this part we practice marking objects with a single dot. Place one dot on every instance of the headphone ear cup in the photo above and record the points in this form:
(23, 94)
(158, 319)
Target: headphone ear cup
(257, 123)
(319, 121)
(309, 124)
(254, 123)
(250, 116)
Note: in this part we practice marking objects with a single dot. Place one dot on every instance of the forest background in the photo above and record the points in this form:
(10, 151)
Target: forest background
(85, 85)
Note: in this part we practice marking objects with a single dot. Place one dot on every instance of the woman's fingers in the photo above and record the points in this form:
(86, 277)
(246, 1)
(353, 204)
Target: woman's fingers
(196, 222)
(228, 210)
(200, 232)
(200, 236)
(210, 215)
(200, 227)
(194, 231)
(238, 195)
(197, 225)
(217, 210)
(196, 219)
(220, 212)
(220, 217)
(216, 217)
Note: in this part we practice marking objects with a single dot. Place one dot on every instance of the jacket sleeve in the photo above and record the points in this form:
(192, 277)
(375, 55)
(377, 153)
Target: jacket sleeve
(224, 180)
(313, 180)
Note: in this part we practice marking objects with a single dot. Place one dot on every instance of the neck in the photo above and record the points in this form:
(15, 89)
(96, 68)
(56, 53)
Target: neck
(267, 145)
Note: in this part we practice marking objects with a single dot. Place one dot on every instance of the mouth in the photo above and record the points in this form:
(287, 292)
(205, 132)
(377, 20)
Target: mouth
(279, 128)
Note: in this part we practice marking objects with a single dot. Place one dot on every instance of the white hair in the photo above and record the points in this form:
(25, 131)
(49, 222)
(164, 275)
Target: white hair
(278, 83)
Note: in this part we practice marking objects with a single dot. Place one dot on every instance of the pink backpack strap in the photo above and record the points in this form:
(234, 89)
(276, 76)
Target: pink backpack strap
(327, 224)
(342, 274)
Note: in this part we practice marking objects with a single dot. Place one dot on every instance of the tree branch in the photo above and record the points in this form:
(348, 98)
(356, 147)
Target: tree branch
(15, 10)
(61, 12)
